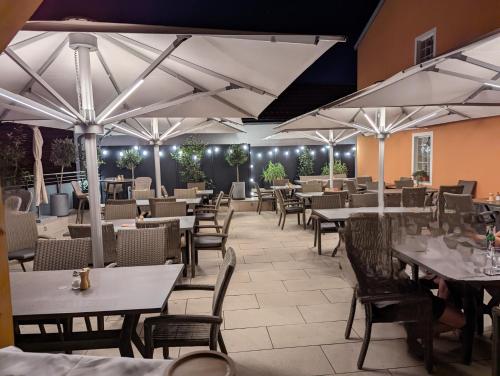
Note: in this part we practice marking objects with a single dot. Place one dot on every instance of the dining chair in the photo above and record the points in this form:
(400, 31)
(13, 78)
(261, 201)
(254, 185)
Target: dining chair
(264, 197)
(214, 241)
(280, 182)
(469, 187)
(312, 186)
(83, 198)
(207, 212)
(322, 227)
(392, 199)
(141, 246)
(200, 185)
(363, 200)
(350, 186)
(173, 240)
(337, 184)
(460, 210)
(62, 254)
(413, 197)
(384, 296)
(363, 179)
(26, 197)
(440, 204)
(22, 236)
(289, 206)
(167, 207)
(142, 183)
(120, 209)
(185, 193)
(77, 231)
(113, 189)
(403, 183)
(371, 185)
(227, 198)
(192, 330)
(343, 196)
(13, 203)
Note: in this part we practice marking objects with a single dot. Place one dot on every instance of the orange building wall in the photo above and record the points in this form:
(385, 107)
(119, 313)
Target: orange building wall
(461, 150)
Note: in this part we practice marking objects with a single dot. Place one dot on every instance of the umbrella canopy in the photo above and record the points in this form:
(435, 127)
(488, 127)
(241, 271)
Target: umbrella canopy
(39, 185)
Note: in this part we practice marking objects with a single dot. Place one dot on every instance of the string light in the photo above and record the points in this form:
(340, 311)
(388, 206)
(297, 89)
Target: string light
(216, 149)
(104, 152)
(245, 147)
(312, 153)
(120, 154)
(195, 157)
(270, 152)
(347, 154)
(251, 180)
(209, 151)
(145, 152)
(337, 153)
(302, 148)
(251, 166)
(286, 153)
(259, 155)
(297, 151)
(275, 150)
(174, 147)
(136, 147)
(161, 153)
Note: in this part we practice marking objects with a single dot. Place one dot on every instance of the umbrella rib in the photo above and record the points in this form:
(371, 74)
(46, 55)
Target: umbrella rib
(163, 68)
(171, 129)
(347, 136)
(340, 134)
(484, 81)
(33, 39)
(407, 116)
(351, 125)
(479, 63)
(230, 124)
(476, 92)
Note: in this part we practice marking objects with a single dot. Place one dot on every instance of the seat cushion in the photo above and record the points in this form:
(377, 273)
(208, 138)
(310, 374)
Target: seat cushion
(294, 209)
(183, 332)
(205, 216)
(328, 226)
(22, 254)
(207, 241)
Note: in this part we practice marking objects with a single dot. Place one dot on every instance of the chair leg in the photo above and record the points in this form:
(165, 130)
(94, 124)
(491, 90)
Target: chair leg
(283, 223)
(88, 325)
(222, 346)
(279, 220)
(319, 237)
(42, 329)
(304, 219)
(298, 218)
(352, 313)
(217, 224)
(428, 345)
(22, 265)
(258, 206)
(315, 233)
(166, 353)
(480, 313)
(367, 336)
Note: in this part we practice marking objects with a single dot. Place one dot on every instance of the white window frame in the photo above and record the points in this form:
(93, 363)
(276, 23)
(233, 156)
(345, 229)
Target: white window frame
(424, 36)
(413, 137)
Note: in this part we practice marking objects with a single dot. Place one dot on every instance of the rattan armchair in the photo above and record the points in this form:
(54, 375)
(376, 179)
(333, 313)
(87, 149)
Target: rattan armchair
(26, 197)
(77, 231)
(213, 241)
(142, 183)
(200, 185)
(286, 207)
(312, 186)
(227, 198)
(363, 179)
(164, 191)
(363, 200)
(469, 186)
(413, 197)
(141, 246)
(62, 254)
(371, 185)
(185, 193)
(321, 227)
(404, 183)
(13, 203)
(440, 204)
(392, 199)
(167, 207)
(459, 211)
(208, 213)
(83, 198)
(350, 186)
(263, 197)
(120, 209)
(22, 236)
(337, 184)
(384, 297)
(173, 239)
(192, 330)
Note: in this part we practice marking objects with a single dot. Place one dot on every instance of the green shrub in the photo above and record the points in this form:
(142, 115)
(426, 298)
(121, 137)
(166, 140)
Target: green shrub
(305, 163)
(273, 171)
(236, 155)
(188, 156)
(338, 168)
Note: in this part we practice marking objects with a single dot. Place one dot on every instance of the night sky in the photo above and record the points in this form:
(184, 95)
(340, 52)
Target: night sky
(337, 67)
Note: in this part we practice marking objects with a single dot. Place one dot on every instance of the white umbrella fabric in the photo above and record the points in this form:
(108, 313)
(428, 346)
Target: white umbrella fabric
(39, 183)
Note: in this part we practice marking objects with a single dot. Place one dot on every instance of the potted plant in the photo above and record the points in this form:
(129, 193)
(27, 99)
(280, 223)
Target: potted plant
(189, 156)
(338, 168)
(13, 157)
(305, 163)
(62, 154)
(236, 155)
(129, 160)
(420, 176)
(273, 171)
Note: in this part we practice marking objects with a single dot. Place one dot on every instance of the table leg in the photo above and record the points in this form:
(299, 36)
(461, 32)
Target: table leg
(127, 335)
(495, 356)
(114, 191)
(470, 323)
(192, 257)
(414, 273)
(318, 232)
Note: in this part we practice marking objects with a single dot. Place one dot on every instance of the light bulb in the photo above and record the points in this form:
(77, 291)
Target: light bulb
(136, 147)
(104, 152)
(145, 152)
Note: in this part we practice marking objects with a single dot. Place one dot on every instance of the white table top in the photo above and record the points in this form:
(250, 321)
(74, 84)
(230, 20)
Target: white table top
(189, 201)
(186, 222)
(291, 186)
(308, 194)
(204, 192)
(343, 214)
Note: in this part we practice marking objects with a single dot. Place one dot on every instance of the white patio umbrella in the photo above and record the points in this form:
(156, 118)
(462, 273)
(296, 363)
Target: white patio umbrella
(123, 72)
(460, 85)
(330, 137)
(39, 183)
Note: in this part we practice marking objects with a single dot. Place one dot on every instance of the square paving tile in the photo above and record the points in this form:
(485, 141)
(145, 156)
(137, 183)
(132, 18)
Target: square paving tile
(291, 298)
(251, 318)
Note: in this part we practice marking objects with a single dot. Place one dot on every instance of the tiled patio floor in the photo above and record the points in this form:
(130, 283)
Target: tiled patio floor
(286, 310)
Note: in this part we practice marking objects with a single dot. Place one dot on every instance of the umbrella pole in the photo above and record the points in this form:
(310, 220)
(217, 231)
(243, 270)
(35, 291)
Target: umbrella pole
(156, 152)
(330, 152)
(381, 150)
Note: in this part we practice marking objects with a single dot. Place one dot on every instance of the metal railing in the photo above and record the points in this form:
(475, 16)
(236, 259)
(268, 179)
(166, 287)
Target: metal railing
(27, 181)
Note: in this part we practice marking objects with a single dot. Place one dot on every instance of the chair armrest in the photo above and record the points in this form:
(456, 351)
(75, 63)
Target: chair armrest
(202, 234)
(184, 287)
(165, 319)
(394, 297)
(112, 265)
(205, 210)
(45, 237)
(208, 226)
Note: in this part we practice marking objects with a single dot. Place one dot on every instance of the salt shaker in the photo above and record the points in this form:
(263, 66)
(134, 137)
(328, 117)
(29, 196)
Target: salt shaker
(75, 283)
(84, 279)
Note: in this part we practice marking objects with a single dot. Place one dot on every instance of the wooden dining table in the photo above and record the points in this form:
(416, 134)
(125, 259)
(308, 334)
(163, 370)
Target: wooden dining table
(127, 291)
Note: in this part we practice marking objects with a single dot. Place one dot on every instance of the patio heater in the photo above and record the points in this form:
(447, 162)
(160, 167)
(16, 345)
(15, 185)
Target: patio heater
(83, 45)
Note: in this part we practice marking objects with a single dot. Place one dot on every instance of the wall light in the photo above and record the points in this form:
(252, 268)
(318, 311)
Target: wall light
(209, 151)
(286, 153)
(259, 155)
(104, 152)
(136, 147)
(353, 148)
(251, 180)
(174, 147)
(323, 149)
(312, 152)
(161, 153)
(337, 153)
(270, 153)
(347, 154)
(145, 152)
(120, 154)
(216, 149)
(245, 147)
(275, 150)
(195, 157)
(302, 148)
(251, 166)
(297, 151)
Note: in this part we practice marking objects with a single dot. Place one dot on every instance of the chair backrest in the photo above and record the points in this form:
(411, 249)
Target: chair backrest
(219, 200)
(392, 199)
(62, 254)
(459, 203)
(227, 221)
(402, 183)
(368, 247)
(350, 186)
(13, 203)
(110, 188)
(326, 202)
(337, 184)
(77, 189)
(143, 183)
(77, 231)
(223, 278)
(141, 246)
(231, 190)
(164, 192)
(343, 196)
(312, 186)
(371, 185)
(20, 230)
(168, 208)
(185, 193)
(26, 197)
(363, 179)
(120, 209)
(280, 182)
(457, 189)
(173, 240)
(469, 186)
(257, 189)
(279, 199)
(200, 185)
(143, 194)
(363, 200)
(413, 197)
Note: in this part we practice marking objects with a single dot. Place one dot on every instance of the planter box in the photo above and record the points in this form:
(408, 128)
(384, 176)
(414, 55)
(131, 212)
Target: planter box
(238, 190)
(59, 204)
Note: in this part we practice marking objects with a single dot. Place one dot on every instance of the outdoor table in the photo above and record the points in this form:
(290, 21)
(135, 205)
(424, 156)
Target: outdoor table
(308, 194)
(114, 182)
(204, 192)
(342, 214)
(188, 201)
(127, 291)
(289, 187)
(460, 260)
(300, 182)
(487, 203)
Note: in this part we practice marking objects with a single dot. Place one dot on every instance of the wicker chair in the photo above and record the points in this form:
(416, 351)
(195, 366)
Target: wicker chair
(350, 186)
(469, 187)
(83, 198)
(143, 194)
(371, 185)
(263, 197)
(113, 189)
(404, 183)
(13, 203)
(392, 199)
(22, 236)
(384, 297)
(312, 186)
(185, 193)
(141, 246)
(164, 192)
(62, 254)
(192, 330)
(143, 183)
(173, 244)
(210, 240)
(459, 210)
(363, 200)
(343, 196)
(200, 186)
(413, 197)
(280, 182)
(120, 209)
(324, 202)
(363, 179)
(226, 198)
(440, 205)
(208, 213)
(26, 197)
(337, 184)
(77, 231)
(286, 207)
(167, 207)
